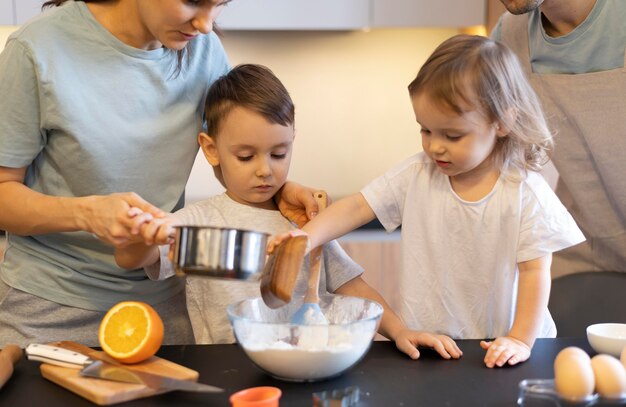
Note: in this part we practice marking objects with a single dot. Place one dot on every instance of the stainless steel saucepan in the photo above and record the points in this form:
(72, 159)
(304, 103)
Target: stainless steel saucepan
(219, 252)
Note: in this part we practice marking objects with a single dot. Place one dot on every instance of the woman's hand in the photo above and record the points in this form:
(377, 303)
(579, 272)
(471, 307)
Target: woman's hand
(407, 341)
(296, 203)
(107, 217)
(505, 349)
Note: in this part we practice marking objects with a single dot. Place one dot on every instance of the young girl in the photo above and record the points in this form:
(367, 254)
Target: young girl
(249, 139)
(479, 223)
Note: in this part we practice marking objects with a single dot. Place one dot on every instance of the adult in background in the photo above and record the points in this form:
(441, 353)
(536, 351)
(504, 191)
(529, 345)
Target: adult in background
(573, 52)
(98, 98)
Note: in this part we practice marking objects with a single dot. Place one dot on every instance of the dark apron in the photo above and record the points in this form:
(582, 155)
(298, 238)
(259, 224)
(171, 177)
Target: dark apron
(587, 114)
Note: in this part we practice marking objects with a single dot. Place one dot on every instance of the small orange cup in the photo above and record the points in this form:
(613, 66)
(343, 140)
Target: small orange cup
(256, 397)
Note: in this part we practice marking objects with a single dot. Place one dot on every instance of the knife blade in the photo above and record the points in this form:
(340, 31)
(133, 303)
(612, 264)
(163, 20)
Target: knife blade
(107, 371)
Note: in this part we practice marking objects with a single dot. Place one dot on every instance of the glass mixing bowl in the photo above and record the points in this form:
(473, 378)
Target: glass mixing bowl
(301, 353)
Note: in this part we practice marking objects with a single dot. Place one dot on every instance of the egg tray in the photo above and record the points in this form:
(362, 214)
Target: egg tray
(532, 390)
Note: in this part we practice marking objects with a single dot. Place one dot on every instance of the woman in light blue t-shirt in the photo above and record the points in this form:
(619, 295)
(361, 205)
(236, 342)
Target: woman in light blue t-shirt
(101, 105)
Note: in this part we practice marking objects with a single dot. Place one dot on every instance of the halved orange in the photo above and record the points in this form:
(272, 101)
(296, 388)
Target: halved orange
(131, 331)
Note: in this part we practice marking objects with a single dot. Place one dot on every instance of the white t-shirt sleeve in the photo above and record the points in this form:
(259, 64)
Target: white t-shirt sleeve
(546, 225)
(386, 194)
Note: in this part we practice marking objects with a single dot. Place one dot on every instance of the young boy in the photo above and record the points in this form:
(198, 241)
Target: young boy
(249, 139)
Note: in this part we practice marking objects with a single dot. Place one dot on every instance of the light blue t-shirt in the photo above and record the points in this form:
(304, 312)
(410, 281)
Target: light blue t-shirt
(595, 45)
(90, 115)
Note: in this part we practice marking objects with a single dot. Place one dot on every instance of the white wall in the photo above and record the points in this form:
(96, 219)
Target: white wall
(5, 31)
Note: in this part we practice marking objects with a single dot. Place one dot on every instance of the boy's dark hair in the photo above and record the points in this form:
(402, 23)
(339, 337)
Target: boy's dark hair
(254, 87)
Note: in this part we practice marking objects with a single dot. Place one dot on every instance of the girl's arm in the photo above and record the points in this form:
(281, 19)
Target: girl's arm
(533, 293)
(532, 299)
(27, 212)
(338, 219)
(392, 327)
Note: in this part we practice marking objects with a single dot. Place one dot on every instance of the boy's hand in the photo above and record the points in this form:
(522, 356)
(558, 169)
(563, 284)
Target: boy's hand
(158, 232)
(296, 203)
(505, 349)
(153, 231)
(407, 341)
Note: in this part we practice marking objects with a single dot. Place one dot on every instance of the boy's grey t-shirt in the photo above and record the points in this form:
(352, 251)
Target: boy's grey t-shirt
(208, 298)
(90, 115)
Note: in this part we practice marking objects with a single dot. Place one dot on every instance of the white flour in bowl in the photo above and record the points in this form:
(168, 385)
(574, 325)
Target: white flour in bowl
(293, 363)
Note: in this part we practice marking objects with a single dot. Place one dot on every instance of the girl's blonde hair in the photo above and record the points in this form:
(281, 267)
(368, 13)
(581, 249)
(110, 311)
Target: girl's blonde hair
(483, 74)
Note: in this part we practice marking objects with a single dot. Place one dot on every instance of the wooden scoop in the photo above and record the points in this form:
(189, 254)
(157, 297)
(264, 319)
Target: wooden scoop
(281, 271)
(283, 265)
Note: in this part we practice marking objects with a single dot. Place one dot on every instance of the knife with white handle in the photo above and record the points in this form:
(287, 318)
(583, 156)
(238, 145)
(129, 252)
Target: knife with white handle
(57, 356)
(108, 371)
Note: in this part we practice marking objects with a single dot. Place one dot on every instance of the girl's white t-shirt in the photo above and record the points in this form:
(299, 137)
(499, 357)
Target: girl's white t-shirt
(459, 259)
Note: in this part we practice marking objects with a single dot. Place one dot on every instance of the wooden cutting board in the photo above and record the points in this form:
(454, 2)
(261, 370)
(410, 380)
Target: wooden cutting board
(106, 392)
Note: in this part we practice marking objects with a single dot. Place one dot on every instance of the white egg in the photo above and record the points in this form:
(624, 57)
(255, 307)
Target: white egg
(573, 375)
(610, 376)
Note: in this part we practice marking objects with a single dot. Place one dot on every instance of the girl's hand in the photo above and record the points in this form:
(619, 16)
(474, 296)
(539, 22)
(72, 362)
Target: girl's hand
(407, 341)
(107, 217)
(276, 240)
(505, 349)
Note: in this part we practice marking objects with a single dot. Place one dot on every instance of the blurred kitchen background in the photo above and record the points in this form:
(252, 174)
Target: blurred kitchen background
(346, 64)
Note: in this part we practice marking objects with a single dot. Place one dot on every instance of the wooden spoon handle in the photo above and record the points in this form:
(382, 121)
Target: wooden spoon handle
(315, 258)
(9, 356)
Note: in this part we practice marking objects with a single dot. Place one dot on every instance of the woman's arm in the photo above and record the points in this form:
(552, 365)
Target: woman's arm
(27, 212)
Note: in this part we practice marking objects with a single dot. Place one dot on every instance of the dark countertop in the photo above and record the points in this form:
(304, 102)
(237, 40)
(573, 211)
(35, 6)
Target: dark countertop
(385, 377)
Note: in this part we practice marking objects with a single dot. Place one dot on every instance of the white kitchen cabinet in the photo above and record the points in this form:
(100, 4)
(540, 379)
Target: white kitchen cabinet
(26, 9)
(428, 13)
(350, 14)
(7, 12)
(295, 15)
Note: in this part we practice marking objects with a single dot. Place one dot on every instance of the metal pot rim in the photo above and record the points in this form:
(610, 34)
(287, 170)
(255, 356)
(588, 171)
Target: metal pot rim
(220, 228)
